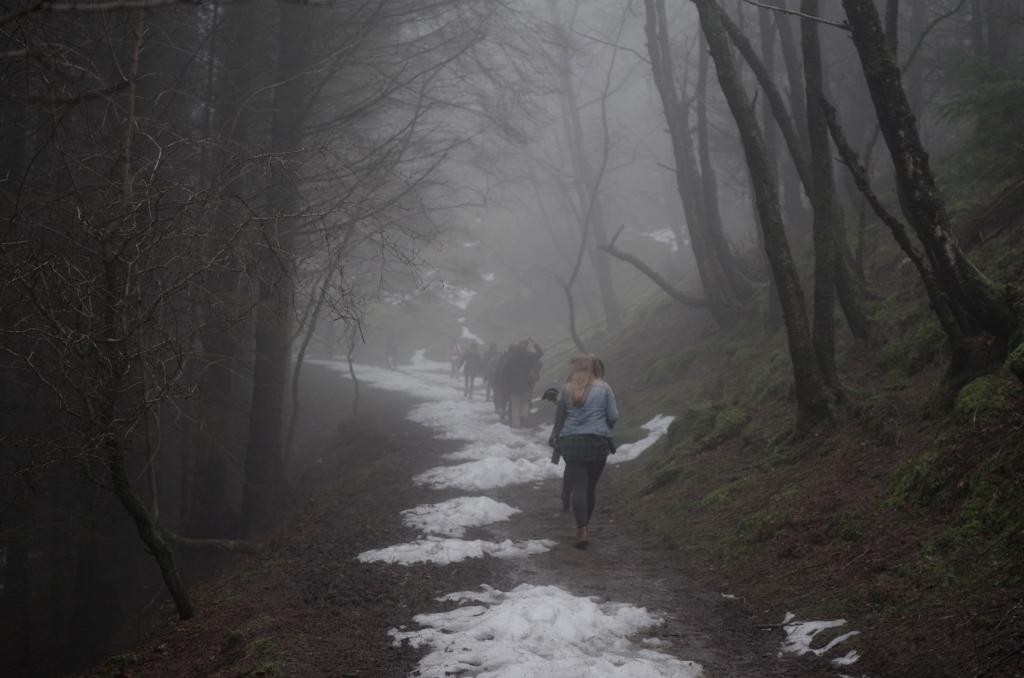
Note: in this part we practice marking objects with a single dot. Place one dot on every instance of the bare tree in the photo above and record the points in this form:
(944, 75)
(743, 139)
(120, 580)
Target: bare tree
(724, 286)
(812, 398)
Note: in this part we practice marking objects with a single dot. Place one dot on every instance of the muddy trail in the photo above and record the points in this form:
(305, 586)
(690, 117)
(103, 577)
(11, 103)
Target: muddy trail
(305, 605)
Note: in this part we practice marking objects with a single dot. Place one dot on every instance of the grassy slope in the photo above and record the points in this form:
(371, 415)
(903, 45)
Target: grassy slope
(905, 515)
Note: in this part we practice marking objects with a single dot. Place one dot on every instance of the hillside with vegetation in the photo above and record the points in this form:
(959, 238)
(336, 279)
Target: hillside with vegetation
(903, 510)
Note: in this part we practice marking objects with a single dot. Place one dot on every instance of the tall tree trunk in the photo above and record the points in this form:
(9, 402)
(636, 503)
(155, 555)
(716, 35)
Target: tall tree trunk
(798, 149)
(990, 305)
(797, 216)
(892, 27)
(732, 273)
(773, 314)
(307, 337)
(822, 197)
(115, 359)
(149, 531)
(722, 304)
(812, 398)
(948, 313)
(234, 40)
(264, 468)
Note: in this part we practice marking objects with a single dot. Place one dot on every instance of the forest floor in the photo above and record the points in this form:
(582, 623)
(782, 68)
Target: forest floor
(306, 606)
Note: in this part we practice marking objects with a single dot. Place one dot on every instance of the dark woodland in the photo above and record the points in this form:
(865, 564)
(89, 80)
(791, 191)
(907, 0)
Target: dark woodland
(795, 226)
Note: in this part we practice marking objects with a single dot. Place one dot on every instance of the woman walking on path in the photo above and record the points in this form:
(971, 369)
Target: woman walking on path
(585, 414)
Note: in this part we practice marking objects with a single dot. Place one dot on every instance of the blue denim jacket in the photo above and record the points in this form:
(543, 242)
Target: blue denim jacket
(596, 416)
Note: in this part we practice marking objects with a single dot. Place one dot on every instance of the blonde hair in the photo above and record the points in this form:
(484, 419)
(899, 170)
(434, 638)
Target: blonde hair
(583, 370)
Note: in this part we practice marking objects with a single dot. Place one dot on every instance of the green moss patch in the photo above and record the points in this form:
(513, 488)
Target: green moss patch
(927, 478)
(986, 399)
(703, 425)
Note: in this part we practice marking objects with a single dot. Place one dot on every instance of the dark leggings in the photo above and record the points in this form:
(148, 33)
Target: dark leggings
(581, 478)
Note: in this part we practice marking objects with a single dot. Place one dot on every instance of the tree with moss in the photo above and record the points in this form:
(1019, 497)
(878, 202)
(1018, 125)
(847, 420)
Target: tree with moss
(987, 314)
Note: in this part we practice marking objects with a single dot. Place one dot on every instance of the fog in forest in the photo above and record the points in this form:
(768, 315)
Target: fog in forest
(246, 244)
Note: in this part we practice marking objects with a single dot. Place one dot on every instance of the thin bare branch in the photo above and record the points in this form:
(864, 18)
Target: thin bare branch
(782, 10)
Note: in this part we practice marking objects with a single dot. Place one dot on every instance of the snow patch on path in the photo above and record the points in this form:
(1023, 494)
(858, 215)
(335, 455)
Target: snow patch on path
(539, 632)
(393, 380)
(451, 518)
(800, 636)
(487, 474)
(442, 551)
(531, 631)
(420, 363)
(655, 428)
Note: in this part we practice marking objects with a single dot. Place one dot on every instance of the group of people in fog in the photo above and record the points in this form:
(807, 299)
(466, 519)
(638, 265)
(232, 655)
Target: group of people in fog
(509, 377)
(585, 412)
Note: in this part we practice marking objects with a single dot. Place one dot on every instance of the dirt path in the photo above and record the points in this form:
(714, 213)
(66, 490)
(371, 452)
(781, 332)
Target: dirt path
(305, 606)
(700, 624)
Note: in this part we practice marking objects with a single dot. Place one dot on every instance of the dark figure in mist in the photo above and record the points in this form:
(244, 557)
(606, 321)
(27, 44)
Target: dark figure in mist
(499, 382)
(585, 414)
(519, 382)
(455, 356)
(471, 362)
(488, 362)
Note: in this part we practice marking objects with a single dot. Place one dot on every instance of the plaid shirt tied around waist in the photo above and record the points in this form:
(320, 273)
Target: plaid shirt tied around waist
(583, 447)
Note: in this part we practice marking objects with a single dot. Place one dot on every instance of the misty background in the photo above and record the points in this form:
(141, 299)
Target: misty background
(198, 197)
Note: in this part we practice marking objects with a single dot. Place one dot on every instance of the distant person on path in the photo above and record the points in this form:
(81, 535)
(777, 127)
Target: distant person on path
(585, 414)
(455, 356)
(501, 388)
(519, 383)
(534, 365)
(488, 362)
(471, 362)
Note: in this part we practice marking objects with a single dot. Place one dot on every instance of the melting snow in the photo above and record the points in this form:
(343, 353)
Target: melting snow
(655, 428)
(421, 363)
(800, 635)
(540, 632)
(495, 454)
(487, 474)
(531, 631)
(851, 657)
(459, 297)
(451, 518)
(444, 551)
